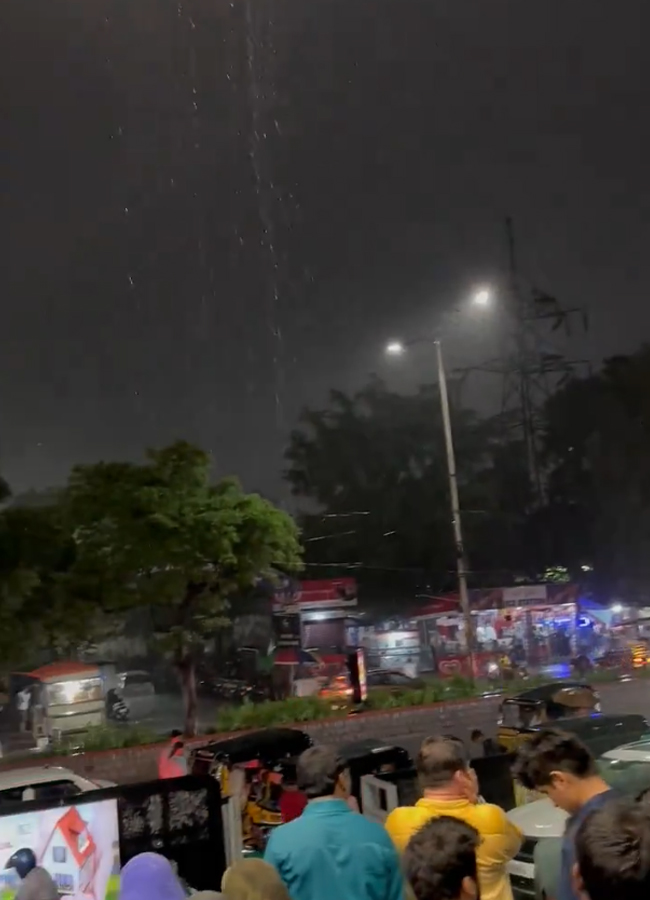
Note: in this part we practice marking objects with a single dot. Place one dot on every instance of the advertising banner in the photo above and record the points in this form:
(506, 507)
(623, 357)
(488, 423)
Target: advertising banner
(301, 596)
(286, 629)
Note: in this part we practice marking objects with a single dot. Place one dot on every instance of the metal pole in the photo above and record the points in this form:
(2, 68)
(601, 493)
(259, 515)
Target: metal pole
(455, 506)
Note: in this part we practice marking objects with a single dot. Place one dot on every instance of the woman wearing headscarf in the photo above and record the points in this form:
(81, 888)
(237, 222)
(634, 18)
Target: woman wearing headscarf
(253, 879)
(150, 876)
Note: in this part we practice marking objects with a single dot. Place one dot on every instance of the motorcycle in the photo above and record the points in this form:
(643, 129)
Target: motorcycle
(116, 708)
(506, 670)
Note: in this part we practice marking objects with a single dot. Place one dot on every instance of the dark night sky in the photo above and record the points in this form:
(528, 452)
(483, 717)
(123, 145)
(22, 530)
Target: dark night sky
(393, 136)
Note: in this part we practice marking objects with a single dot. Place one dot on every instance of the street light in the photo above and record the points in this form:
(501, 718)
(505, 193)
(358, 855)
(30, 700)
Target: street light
(396, 348)
(482, 297)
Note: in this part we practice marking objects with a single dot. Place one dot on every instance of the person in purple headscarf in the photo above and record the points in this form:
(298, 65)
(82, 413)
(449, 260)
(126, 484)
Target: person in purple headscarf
(150, 876)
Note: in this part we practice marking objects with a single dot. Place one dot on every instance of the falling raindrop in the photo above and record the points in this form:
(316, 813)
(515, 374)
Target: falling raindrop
(261, 97)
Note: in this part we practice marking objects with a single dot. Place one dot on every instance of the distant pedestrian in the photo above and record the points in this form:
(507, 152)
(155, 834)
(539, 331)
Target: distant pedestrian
(330, 852)
(23, 702)
(486, 746)
(171, 760)
(292, 801)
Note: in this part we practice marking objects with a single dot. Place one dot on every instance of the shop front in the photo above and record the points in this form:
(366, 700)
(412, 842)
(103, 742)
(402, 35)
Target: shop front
(532, 625)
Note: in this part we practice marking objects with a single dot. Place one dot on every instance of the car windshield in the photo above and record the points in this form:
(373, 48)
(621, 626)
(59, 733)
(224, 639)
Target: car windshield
(626, 775)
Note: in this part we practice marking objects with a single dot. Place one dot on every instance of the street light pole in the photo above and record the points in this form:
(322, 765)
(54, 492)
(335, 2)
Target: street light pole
(481, 297)
(455, 506)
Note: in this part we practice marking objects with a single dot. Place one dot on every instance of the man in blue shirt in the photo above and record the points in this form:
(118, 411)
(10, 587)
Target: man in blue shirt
(557, 764)
(330, 852)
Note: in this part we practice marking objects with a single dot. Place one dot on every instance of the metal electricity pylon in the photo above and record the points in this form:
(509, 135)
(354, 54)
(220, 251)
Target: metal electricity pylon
(529, 366)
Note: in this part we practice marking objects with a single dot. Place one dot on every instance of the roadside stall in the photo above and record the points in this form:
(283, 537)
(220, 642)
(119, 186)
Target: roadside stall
(531, 625)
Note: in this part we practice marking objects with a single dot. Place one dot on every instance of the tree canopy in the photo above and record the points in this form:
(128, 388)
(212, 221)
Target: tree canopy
(162, 535)
(597, 437)
(374, 465)
(371, 470)
(123, 536)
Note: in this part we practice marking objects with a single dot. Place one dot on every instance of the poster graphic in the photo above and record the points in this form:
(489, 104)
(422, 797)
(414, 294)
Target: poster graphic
(77, 845)
(286, 630)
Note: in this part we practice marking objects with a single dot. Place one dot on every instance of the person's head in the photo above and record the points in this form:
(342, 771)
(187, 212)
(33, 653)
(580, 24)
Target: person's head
(253, 879)
(477, 736)
(613, 852)
(557, 764)
(23, 861)
(150, 876)
(289, 774)
(177, 742)
(440, 861)
(323, 773)
(443, 765)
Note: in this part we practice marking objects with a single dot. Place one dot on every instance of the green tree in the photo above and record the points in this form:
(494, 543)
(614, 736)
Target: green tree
(597, 437)
(161, 535)
(374, 466)
(35, 554)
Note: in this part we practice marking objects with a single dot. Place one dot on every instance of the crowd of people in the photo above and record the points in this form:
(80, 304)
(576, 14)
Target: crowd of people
(450, 845)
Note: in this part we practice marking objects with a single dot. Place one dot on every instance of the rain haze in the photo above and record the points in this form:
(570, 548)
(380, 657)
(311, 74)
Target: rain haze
(213, 212)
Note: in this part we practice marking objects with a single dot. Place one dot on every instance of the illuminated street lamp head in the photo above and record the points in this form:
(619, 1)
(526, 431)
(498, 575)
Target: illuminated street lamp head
(482, 297)
(395, 348)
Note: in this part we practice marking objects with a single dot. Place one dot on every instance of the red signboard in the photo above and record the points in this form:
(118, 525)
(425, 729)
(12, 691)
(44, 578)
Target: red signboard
(303, 596)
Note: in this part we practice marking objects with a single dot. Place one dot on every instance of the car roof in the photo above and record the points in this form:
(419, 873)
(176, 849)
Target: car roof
(11, 778)
(635, 751)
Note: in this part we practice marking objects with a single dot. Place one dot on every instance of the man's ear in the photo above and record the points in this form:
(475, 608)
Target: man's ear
(578, 883)
(468, 889)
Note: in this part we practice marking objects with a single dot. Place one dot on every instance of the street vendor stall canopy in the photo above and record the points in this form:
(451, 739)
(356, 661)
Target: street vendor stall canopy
(62, 670)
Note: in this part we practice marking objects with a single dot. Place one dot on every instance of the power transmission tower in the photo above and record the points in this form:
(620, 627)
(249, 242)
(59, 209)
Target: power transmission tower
(529, 367)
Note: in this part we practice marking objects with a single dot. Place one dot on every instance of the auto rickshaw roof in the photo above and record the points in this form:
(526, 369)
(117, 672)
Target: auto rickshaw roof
(269, 743)
(545, 692)
(62, 670)
(367, 747)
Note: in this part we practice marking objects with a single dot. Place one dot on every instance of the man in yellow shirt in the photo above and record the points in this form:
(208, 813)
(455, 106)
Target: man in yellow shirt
(450, 789)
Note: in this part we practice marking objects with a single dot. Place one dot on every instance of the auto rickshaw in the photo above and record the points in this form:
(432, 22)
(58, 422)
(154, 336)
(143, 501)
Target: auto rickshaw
(249, 767)
(522, 714)
(373, 757)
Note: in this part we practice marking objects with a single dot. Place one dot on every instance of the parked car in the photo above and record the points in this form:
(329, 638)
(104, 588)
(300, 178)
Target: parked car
(43, 783)
(391, 680)
(626, 768)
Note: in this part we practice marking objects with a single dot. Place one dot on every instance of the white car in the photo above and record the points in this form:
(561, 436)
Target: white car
(43, 783)
(626, 768)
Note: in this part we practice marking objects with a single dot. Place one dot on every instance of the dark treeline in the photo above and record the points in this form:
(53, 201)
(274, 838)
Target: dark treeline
(373, 464)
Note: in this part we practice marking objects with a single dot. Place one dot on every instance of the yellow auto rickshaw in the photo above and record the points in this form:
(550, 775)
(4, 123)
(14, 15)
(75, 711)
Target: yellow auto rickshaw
(520, 716)
(247, 767)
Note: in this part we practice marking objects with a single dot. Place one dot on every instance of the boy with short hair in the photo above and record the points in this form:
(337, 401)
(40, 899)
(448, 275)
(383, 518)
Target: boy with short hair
(558, 765)
(440, 861)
